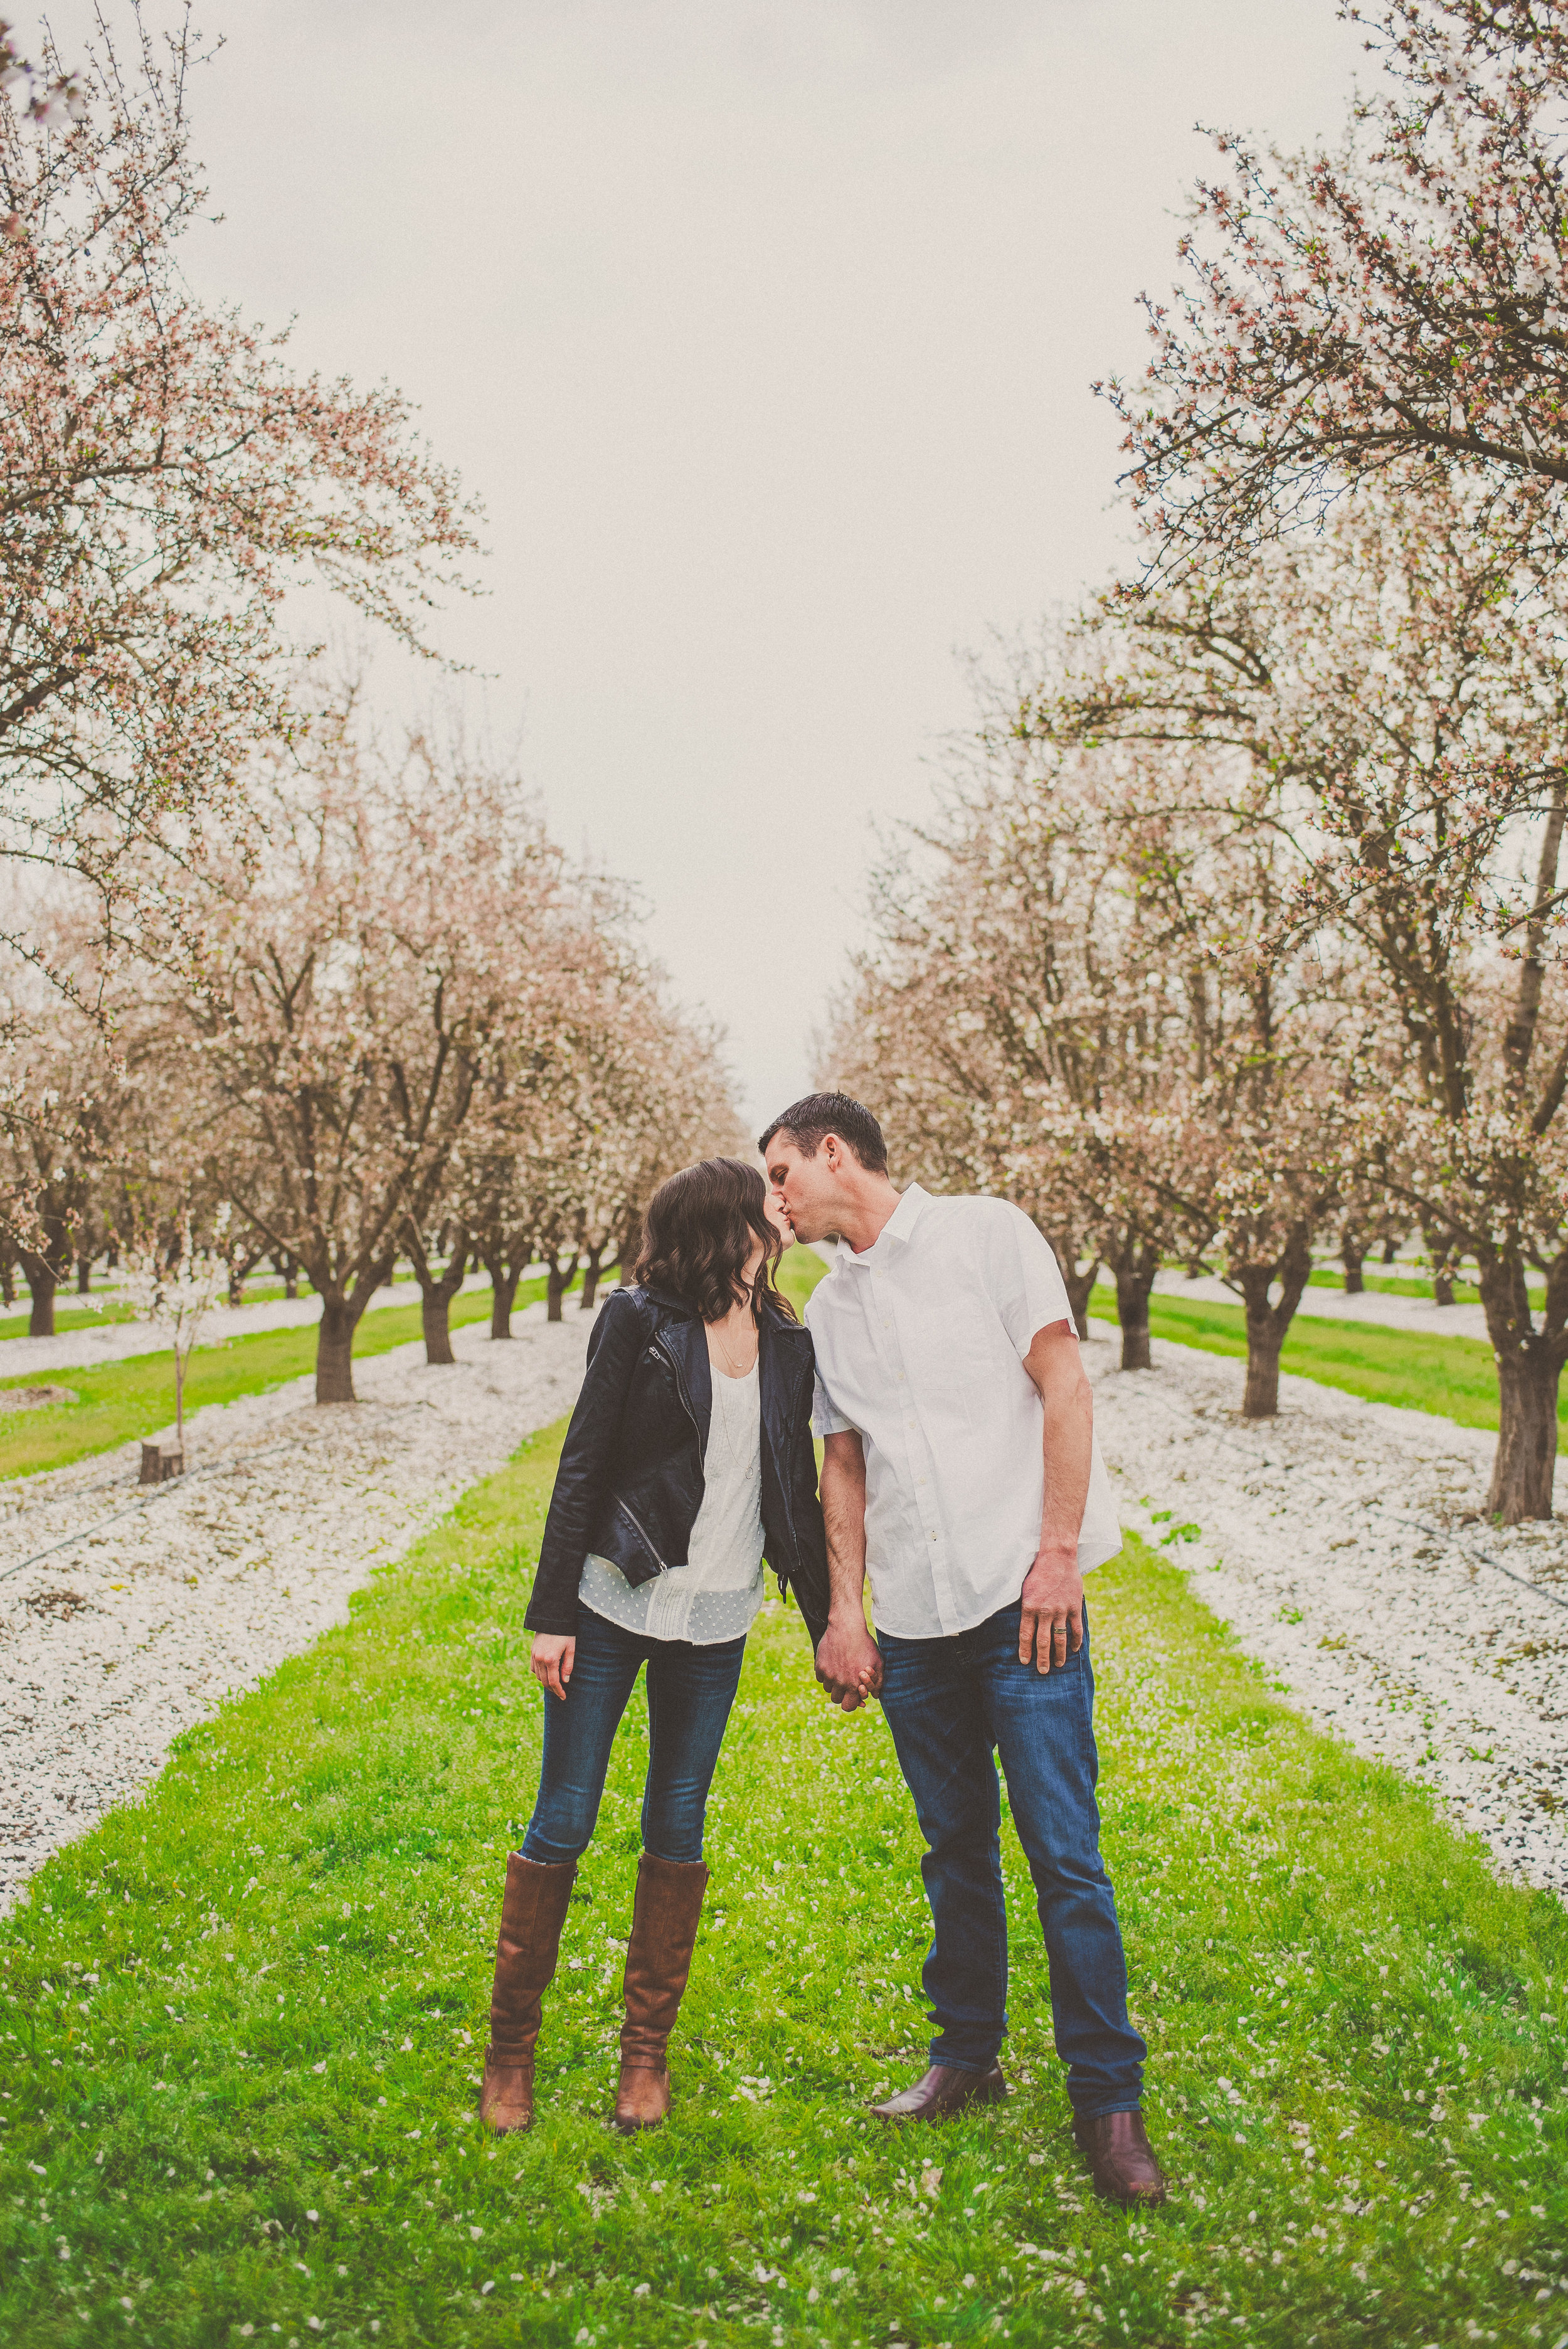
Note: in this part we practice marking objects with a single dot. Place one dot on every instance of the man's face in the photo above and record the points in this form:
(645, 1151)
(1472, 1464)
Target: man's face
(805, 1190)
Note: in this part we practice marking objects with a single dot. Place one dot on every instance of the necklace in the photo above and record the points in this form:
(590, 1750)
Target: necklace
(726, 1360)
(727, 1403)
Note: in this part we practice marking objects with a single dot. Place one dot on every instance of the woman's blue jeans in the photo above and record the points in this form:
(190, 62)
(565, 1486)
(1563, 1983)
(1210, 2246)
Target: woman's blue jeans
(690, 1693)
(953, 1705)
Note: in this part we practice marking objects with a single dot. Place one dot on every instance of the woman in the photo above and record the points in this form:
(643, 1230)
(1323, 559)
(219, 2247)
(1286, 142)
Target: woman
(688, 1461)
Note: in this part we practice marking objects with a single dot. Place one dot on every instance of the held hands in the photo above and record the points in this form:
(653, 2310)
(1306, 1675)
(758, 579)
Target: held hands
(849, 1663)
(552, 1659)
(1050, 1626)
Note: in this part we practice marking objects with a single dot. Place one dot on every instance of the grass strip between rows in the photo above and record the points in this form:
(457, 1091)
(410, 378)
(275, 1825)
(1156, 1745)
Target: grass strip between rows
(1415, 1286)
(243, 2022)
(71, 1315)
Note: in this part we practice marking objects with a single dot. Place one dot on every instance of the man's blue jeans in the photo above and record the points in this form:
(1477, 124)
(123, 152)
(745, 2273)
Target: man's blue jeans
(690, 1693)
(951, 1702)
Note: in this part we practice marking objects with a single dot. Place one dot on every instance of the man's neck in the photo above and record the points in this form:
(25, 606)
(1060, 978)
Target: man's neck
(864, 1220)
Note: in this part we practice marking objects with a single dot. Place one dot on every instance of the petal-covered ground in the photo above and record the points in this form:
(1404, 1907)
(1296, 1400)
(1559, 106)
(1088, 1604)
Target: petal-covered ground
(1344, 1544)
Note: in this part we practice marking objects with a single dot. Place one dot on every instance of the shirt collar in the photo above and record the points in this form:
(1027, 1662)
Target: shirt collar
(899, 1227)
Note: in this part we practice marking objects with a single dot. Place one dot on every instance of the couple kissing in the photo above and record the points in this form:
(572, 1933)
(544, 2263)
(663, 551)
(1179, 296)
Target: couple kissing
(939, 1364)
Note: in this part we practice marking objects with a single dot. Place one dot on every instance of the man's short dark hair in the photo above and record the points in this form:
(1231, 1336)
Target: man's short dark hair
(809, 1121)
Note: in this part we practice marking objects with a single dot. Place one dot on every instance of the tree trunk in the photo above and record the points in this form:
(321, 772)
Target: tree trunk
(591, 1258)
(1525, 1463)
(1134, 1287)
(435, 1326)
(503, 1279)
(42, 1284)
(1442, 1272)
(1268, 1325)
(436, 1294)
(1079, 1286)
(1352, 1256)
(630, 1245)
(290, 1271)
(1260, 1397)
(1529, 1367)
(334, 1351)
(84, 1275)
(558, 1274)
(1390, 1251)
(8, 1279)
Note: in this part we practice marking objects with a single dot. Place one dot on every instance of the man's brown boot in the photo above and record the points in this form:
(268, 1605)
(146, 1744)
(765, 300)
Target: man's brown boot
(531, 1916)
(658, 1960)
(943, 2090)
(1120, 2158)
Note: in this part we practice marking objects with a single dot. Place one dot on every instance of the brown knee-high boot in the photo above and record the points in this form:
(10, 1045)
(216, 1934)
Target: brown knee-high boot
(658, 1960)
(531, 1916)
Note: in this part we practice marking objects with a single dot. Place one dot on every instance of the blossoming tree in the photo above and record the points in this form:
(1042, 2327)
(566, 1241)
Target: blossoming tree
(1401, 300)
(167, 477)
(1395, 693)
(352, 979)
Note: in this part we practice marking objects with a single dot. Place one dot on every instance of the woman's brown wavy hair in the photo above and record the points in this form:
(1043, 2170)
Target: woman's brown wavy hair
(699, 1229)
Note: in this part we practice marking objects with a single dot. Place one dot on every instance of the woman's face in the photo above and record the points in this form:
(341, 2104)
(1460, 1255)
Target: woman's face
(773, 1209)
(780, 1224)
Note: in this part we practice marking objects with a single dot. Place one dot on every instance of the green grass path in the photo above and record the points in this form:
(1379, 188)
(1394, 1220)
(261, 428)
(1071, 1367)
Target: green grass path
(118, 1400)
(1455, 1377)
(242, 2026)
(70, 1315)
(1405, 1284)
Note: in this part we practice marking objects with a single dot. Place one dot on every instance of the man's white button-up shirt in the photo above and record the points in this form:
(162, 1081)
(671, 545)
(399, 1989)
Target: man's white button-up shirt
(919, 1345)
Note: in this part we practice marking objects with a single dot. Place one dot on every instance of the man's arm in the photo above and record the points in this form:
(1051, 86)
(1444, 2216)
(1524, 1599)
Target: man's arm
(849, 1663)
(1052, 1619)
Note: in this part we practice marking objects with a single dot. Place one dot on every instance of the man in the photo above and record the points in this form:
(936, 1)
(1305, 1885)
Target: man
(959, 1467)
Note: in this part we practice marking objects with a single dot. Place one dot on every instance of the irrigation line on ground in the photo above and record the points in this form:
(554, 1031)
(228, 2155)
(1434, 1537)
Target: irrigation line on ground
(134, 1508)
(1442, 1532)
(173, 1484)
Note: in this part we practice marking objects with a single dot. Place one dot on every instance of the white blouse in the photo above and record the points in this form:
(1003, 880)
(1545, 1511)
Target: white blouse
(715, 1595)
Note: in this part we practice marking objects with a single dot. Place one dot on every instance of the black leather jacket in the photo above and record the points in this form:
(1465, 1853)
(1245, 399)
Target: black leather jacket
(630, 1476)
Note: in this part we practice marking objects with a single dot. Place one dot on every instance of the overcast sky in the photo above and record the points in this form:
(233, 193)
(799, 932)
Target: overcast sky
(765, 332)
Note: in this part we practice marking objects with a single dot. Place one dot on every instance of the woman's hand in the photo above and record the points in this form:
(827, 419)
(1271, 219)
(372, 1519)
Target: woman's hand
(552, 1659)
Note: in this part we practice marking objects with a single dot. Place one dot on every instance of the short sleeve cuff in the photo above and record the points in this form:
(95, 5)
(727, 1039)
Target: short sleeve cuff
(1047, 1319)
(826, 1418)
(1038, 1296)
